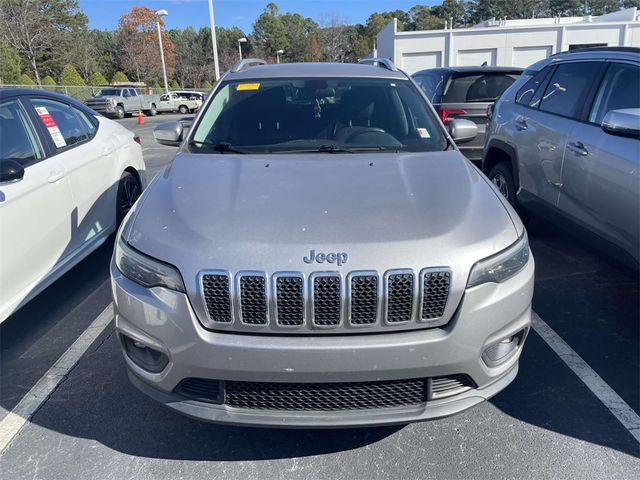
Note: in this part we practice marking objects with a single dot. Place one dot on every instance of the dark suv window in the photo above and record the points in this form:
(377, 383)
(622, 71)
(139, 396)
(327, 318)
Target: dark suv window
(620, 88)
(432, 83)
(567, 87)
(473, 87)
(531, 92)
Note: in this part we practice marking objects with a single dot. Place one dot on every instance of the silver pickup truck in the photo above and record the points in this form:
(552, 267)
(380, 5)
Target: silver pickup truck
(120, 101)
(179, 102)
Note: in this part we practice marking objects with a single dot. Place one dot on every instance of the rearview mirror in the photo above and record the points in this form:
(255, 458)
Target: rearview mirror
(10, 171)
(462, 130)
(169, 133)
(624, 122)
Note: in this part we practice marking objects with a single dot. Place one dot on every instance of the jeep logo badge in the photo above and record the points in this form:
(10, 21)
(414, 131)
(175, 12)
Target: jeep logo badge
(338, 258)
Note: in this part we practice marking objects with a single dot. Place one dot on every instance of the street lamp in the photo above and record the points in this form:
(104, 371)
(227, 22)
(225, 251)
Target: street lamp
(214, 42)
(240, 42)
(278, 53)
(160, 14)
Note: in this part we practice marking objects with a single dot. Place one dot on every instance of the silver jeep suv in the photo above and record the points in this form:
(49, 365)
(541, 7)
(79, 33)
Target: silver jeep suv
(564, 142)
(319, 254)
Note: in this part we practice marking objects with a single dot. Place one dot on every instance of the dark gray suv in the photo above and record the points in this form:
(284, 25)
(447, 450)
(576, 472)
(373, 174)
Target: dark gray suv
(564, 142)
(466, 92)
(320, 254)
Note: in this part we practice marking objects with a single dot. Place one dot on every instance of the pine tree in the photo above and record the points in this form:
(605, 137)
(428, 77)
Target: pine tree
(70, 76)
(119, 77)
(97, 80)
(25, 80)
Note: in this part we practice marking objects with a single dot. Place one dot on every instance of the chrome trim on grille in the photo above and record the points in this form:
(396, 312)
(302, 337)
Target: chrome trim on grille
(274, 297)
(441, 320)
(385, 294)
(349, 297)
(224, 273)
(312, 318)
(238, 296)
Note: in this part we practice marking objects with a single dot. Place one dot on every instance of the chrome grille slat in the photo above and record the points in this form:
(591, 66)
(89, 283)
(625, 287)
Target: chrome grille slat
(326, 300)
(253, 299)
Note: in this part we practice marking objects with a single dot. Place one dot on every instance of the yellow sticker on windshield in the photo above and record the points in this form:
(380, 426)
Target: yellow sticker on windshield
(247, 86)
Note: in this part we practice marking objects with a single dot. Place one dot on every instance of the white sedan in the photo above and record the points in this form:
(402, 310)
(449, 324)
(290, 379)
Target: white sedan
(67, 178)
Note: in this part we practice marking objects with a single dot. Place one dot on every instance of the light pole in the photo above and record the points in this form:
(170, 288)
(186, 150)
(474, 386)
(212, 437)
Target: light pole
(278, 53)
(214, 43)
(240, 42)
(160, 14)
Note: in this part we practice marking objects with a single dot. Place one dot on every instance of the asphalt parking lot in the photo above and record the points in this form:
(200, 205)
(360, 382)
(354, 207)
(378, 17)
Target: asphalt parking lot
(559, 419)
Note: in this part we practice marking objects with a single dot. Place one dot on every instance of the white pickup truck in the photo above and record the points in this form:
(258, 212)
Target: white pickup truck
(182, 102)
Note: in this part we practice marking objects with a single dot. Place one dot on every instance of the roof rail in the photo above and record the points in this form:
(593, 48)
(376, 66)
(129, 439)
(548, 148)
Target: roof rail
(245, 63)
(379, 62)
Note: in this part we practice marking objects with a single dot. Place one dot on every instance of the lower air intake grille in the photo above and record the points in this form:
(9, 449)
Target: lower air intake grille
(253, 299)
(450, 385)
(326, 300)
(217, 298)
(436, 293)
(325, 396)
(201, 389)
(400, 297)
(290, 306)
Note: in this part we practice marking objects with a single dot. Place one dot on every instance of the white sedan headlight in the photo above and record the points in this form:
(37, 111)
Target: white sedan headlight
(144, 270)
(501, 266)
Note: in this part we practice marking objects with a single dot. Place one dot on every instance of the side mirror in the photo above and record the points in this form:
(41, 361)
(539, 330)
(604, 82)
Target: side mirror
(10, 171)
(624, 122)
(169, 133)
(462, 130)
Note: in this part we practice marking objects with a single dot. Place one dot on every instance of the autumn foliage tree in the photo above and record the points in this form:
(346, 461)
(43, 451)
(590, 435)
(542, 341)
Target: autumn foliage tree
(137, 39)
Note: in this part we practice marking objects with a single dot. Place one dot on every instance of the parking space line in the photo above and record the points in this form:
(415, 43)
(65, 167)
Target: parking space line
(614, 403)
(40, 392)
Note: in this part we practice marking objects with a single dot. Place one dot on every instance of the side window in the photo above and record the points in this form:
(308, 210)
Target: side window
(133, 92)
(164, 98)
(61, 122)
(89, 125)
(567, 87)
(18, 141)
(531, 91)
(620, 88)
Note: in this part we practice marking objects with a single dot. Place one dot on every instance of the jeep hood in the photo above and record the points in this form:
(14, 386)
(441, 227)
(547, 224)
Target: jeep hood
(246, 212)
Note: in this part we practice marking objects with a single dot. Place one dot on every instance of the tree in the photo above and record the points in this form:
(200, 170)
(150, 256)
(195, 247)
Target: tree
(97, 79)
(25, 80)
(9, 65)
(206, 85)
(566, 8)
(70, 76)
(421, 17)
(39, 29)
(173, 85)
(602, 7)
(48, 83)
(269, 32)
(137, 39)
(334, 38)
(119, 77)
(451, 10)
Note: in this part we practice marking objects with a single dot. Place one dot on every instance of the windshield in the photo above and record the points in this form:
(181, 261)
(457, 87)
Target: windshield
(317, 114)
(105, 92)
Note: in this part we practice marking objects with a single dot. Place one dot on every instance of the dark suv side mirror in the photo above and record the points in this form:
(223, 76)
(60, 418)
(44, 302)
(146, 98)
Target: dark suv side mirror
(624, 122)
(10, 171)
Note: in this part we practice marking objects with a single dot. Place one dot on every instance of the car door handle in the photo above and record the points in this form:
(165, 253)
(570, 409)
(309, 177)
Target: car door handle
(55, 176)
(544, 145)
(107, 151)
(521, 124)
(578, 148)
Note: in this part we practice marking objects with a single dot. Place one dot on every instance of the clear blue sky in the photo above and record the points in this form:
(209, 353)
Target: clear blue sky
(104, 14)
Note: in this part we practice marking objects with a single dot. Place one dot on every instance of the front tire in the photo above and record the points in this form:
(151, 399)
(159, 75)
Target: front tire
(502, 177)
(119, 112)
(128, 192)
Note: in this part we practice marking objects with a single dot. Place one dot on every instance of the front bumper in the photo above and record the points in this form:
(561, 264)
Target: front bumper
(164, 320)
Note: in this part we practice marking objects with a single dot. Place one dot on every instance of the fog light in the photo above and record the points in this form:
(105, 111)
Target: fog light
(144, 356)
(503, 350)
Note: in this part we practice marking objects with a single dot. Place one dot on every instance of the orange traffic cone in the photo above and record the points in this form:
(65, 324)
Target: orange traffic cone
(140, 117)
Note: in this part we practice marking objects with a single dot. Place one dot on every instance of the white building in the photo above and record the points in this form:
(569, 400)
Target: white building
(505, 42)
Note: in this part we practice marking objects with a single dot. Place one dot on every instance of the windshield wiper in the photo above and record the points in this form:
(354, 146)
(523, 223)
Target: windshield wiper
(333, 149)
(222, 147)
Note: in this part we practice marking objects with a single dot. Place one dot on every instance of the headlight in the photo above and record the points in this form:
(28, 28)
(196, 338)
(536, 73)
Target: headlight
(144, 270)
(501, 266)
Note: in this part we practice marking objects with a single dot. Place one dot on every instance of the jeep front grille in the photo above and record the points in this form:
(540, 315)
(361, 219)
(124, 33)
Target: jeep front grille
(326, 302)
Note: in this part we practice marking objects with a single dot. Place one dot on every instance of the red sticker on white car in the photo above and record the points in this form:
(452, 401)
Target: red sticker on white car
(52, 127)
